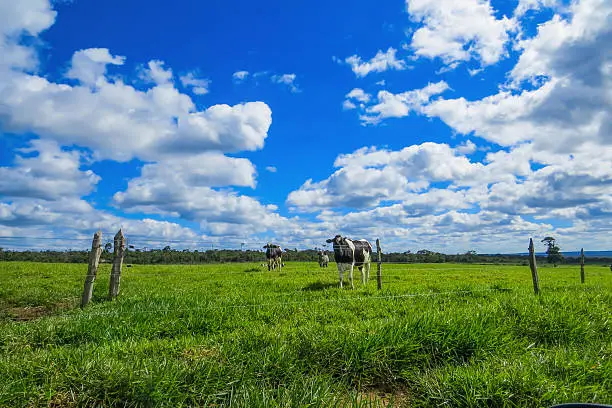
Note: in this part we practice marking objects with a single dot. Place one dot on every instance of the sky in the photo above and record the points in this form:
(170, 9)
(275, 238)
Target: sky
(444, 125)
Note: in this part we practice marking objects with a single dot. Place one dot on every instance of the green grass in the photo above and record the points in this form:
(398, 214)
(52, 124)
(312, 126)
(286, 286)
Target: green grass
(238, 335)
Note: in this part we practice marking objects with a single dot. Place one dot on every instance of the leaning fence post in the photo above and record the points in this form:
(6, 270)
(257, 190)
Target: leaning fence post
(118, 253)
(582, 265)
(92, 268)
(379, 269)
(534, 267)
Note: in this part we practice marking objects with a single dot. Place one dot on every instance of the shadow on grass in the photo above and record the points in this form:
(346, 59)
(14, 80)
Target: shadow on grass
(320, 286)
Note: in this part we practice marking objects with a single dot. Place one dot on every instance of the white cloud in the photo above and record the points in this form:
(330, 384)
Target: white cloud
(203, 170)
(52, 174)
(42, 222)
(286, 79)
(31, 16)
(271, 169)
(146, 124)
(468, 147)
(219, 213)
(570, 109)
(525, 5)
(552, 119)
(359, 95)
(89, 66)
(156, 73)
(348, 105)
(198, 86)
(17, 18)
(183, 146)
(459, 31)
(391, 105)
(369, 176)
(240, 76)
(381, 62)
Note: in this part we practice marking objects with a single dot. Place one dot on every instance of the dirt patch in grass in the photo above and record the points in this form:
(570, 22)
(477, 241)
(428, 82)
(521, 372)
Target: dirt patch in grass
(62, 399)
(383, 397)
(27, 313)
(200, 352)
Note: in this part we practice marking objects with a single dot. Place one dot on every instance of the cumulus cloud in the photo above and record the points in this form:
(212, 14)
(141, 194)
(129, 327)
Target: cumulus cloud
(359, 95)
(467, 147)
(459, 31)
(348, 105)
(526, 5)
(183, 147)
(548, 130)
(51, 174)
(38, 224)
(198, 86)
(381, 62)
(389, 105)
(370, 176)
(286, 79)
(146, 124)
(89, 66)
(271, 169)
(27, 17)
(218, 212)
(240, 76)
(569, 111)
(156, 73)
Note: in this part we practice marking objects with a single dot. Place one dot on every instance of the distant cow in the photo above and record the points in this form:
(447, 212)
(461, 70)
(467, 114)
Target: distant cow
(350, 253)
(274, 255)
(323, 259)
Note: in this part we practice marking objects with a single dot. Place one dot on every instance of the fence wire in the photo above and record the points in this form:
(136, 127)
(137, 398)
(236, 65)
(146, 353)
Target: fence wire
(212, 306)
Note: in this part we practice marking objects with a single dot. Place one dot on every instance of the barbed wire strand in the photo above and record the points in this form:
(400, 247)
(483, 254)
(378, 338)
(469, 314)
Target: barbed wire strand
(296, 302)
(134, 274)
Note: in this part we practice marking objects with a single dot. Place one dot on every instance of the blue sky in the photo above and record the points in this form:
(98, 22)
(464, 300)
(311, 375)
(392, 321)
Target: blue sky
(443, 125)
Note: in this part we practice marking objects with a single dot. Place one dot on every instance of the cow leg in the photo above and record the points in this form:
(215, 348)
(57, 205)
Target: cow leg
(280, 264)
(270, 264)
(363, 279)
(340, 270)
(351, 275)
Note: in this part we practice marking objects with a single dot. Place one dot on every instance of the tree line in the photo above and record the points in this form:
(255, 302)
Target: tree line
(168, 255)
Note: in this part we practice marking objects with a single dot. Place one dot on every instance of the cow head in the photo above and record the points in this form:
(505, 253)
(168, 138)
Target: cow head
(337, 240)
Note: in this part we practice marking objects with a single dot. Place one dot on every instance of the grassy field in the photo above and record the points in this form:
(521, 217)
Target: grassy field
(238, 335)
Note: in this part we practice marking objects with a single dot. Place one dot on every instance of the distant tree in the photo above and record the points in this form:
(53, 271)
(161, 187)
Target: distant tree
(554, 252)
(107, 247)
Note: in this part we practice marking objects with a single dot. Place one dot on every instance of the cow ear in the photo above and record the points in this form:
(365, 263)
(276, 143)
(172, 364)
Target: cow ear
(329, 241)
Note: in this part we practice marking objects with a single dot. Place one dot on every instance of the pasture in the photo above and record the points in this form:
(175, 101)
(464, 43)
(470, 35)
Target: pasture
(238, 335)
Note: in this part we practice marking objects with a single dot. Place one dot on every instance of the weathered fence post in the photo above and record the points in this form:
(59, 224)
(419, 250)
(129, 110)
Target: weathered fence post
(534, 267)
(379, 266)
(92, 268)
(118, 253)
(582, 265)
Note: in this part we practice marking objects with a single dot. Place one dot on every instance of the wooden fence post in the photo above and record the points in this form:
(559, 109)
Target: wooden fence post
(379, 266)
(118, 253)
(582, 265)
(534, 267)
(92, 268)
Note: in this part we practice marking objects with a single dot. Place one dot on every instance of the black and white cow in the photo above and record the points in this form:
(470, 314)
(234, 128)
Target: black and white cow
(274, 254)
(349, 253)
(323, 259)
